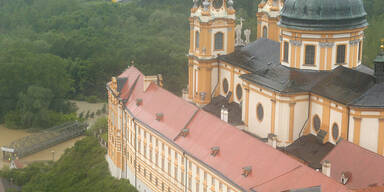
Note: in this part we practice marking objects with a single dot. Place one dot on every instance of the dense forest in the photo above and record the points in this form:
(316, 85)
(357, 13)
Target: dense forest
(52, 51)
(81, 169)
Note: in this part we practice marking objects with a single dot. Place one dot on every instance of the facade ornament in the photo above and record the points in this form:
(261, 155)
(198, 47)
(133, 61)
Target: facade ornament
(296, 42)
(230, 4)
(247, 34)
(327, 44)
(354, 42)
(238, 31)
(206, 4)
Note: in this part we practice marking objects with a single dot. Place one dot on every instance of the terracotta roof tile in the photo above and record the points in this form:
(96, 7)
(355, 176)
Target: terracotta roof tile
(272, 170)
(366, 167)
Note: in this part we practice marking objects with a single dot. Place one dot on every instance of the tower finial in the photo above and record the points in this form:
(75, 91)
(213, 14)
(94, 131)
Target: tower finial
(206, 4)
(230, 4)
(195, 3)
(382, 47)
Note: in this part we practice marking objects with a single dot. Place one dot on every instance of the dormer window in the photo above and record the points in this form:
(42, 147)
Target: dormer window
(184, 132)
(139, 102)
(215, 151)
(247, 171)
(159, 116)
(345, 177)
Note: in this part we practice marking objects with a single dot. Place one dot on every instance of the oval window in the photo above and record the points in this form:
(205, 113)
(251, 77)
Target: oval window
(260, 112)
(316, 123)
(225, 86)
(335, 131)
(239, 92)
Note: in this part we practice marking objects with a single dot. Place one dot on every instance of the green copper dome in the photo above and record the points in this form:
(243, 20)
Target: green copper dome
(323, 14)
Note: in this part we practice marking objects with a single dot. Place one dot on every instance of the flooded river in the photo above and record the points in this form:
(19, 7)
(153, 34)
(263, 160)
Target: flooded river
(7, 136)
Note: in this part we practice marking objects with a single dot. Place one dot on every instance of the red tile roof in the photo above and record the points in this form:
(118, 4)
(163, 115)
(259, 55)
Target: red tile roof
(367, 167)
(272, 170)
(372, 189)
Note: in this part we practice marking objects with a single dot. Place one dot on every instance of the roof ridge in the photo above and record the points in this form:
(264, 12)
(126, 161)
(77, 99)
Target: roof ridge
(285, 173)
(373, 154)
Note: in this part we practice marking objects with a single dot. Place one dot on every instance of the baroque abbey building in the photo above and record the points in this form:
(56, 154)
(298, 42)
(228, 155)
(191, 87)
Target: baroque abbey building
(275, 115)
(303, 75)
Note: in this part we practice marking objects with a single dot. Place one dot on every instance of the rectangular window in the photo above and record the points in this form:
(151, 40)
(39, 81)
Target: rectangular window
(310, 54)
(340, 58)
(286, 51)
(197, 186)
(169, 167)
(190, 183)
(219, 41)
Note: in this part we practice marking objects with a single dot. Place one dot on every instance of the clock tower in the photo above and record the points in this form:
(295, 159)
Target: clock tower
(212, 24)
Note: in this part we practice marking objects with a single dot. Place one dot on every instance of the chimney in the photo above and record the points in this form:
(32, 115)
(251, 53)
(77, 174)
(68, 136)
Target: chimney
(157, 79)
(224, 114)
(379, 64)
(326, 168)
(272, 140)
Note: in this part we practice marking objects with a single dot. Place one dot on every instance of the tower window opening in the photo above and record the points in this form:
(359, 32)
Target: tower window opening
(310, 55)
(286, 51)
(265, 32)
(197, 40)
(359, 56)
(219, 41)
(340, 59)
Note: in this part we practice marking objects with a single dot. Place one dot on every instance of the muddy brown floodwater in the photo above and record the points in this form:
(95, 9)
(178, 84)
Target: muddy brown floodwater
(7, 136)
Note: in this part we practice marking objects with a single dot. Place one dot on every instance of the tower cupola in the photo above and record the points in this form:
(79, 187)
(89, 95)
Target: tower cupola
(322, 34)
(379, 64)
(212, 33)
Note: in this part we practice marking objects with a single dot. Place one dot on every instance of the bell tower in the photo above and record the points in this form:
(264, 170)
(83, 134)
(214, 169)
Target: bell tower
(212, 24)
(268, 16)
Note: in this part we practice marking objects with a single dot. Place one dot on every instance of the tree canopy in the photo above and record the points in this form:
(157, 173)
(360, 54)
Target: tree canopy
(82, 168)
(71, 48)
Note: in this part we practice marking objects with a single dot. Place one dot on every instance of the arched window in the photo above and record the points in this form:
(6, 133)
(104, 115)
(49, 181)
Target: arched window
(219, 41)
(197, 40)
(316, 123)
(239, 92)
(265, 32)
(310, 54)
(335, 131)
(225, 86)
